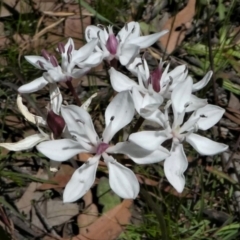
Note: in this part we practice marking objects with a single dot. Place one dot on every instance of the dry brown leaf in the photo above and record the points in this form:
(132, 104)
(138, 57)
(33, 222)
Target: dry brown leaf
(73, 25)
(87, 198)
(110, 225)
(87, 218)
(233, 102)
(93, 81)
(24, 204)
(55, 211)
(178, 26)
(232, 118)
(234, 111)
(62, 177)
(83, 157)
(144, 180)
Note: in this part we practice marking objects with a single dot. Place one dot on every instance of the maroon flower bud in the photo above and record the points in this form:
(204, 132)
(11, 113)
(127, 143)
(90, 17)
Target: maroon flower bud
(155, 78)
(56, 123)
(112, 42)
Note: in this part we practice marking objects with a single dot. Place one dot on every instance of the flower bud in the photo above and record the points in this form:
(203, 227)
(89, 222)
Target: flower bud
(56, 123)
(112, 42)
(155, 78)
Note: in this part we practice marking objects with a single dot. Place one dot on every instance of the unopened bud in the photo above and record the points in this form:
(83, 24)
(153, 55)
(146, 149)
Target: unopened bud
(155, 78)
(56, 123)
(112, 42)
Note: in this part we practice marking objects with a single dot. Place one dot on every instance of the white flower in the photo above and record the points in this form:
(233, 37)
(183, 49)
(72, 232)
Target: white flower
(84, 58)
(145, 95)
(203, 119)
(158, 82)
(118, 114)
(125, 46)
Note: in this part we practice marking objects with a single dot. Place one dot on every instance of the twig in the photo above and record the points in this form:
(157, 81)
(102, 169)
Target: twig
(43, 220)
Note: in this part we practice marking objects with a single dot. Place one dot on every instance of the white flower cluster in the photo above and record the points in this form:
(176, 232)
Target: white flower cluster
(71, 127)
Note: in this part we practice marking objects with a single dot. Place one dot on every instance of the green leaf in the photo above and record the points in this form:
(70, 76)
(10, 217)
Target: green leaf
(106, 196)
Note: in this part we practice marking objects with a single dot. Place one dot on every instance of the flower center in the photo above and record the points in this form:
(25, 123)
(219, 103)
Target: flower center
(102, 148)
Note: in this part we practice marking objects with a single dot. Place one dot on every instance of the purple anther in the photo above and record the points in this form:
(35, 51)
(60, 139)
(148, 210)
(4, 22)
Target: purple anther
(61, 48)
(102, 148)
(53, 61)
(45, 54)
(40, 63)
(69, 52)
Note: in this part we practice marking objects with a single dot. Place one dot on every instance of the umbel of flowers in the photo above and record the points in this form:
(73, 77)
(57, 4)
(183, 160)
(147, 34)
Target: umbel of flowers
(162, 96)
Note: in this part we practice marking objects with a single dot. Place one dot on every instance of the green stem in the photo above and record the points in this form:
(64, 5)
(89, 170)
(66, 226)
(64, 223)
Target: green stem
(71, 88)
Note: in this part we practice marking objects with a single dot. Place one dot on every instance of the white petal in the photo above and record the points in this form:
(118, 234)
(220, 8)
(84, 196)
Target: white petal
(202, 83)
(33, 86)
(92, 32)
(119, 81)
(151, 102)
(87, 103)
(67, 45)
(25, 144)
(121, 179)
(181, 95)
(139, 154)
(128, 53)
(204, 145)
(178, 75)
(137, 99)
(133, 66)
(196, 103)
(146, 41)
(209, 116)
(119, 113)
(81, 181)
(156, 156)
(152, 116)
(149, 140)
(37, 120)
(60, 150)
(55, 75)
(55, 97)
(93, 60)
(130, 31)
(35, 59)
(77, 119)
(84, 52)
(174, 167)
